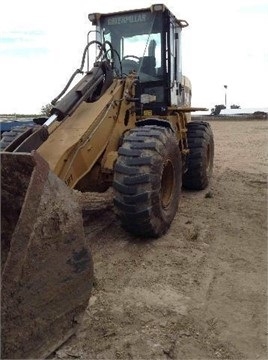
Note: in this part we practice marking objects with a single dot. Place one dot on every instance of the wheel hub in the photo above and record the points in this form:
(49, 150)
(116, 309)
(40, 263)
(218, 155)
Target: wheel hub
(167, 183)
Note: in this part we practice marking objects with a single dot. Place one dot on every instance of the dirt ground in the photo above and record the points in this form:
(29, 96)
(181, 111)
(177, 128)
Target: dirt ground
(199, 292)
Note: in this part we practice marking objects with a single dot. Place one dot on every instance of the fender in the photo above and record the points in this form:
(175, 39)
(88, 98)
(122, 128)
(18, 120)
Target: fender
(157, 122)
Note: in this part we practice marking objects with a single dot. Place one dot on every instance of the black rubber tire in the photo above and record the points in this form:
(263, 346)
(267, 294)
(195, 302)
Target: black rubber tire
(147, 180)
(9, 136)
(199, 162)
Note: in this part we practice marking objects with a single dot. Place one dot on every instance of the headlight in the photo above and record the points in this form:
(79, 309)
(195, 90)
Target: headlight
(158, 7)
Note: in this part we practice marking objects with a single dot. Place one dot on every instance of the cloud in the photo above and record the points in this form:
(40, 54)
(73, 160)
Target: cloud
(22, 44)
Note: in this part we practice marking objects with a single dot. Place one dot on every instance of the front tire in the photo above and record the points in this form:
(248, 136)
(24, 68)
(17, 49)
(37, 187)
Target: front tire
(147, 180)
(200, 159)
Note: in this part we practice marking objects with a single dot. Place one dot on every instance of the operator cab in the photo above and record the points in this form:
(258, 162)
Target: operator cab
(148, 41)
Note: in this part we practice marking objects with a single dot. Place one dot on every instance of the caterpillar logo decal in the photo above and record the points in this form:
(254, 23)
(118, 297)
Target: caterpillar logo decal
(129, 19)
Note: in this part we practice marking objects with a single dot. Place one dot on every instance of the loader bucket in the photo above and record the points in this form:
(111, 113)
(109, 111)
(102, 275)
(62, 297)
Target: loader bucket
(47, 270)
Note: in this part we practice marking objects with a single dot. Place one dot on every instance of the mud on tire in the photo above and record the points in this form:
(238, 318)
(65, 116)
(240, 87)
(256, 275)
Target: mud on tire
(200, 158)
(147, 180)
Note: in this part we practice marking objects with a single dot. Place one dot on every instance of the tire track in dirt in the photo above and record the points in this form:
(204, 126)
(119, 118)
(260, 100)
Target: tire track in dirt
(199, 292)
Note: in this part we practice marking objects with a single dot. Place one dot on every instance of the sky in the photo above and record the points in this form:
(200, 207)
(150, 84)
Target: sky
(41, 45)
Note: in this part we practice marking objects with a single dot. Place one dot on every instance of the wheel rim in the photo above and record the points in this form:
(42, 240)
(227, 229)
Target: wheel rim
(208, 162)
(167, 184)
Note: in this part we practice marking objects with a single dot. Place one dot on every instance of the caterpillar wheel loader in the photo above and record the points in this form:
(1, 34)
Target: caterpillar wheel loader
(125, 124)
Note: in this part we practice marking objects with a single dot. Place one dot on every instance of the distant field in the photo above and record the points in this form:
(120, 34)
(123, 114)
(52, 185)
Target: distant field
(17, 117)
(246, 117)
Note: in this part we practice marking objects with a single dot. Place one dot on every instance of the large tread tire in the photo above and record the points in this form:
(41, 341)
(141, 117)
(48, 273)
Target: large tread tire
(200, 158)
(9, 136)
(147, 180)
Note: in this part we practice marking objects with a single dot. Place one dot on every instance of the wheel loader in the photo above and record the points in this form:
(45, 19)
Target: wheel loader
(124, 125)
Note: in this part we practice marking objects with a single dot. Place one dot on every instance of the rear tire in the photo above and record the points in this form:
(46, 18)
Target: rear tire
(200, 159)
(147, 180)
